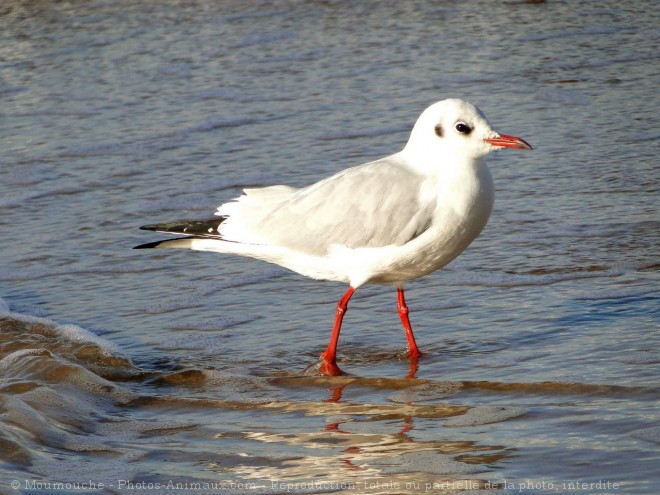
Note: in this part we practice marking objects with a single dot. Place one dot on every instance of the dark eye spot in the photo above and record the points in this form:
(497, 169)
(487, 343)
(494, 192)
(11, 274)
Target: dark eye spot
(438, 130)
(463, 128)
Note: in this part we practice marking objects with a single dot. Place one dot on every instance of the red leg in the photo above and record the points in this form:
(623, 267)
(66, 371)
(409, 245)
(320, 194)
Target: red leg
(328, 358)
(413, 350)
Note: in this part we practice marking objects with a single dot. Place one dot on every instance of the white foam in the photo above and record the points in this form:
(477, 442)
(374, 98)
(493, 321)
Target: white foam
(70, 332)
(78, 334)
(7, 361)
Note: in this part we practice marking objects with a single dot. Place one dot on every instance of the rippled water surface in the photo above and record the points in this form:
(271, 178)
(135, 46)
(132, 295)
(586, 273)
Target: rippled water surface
(129, 371)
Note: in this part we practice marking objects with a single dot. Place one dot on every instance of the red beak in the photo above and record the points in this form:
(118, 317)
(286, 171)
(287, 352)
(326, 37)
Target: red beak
(505, 141)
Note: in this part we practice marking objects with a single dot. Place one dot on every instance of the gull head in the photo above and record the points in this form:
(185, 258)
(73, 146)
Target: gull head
(456, 129)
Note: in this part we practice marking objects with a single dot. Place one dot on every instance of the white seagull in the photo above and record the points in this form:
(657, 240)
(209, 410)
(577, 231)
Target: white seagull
(384, 222)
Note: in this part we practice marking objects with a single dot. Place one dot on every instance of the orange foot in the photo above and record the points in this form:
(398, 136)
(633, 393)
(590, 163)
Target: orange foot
(414, 353)
(329, 367)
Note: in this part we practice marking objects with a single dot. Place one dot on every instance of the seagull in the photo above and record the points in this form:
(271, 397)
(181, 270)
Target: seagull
(388, 221)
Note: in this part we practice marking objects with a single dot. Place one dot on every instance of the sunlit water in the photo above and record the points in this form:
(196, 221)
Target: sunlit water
(143, 370)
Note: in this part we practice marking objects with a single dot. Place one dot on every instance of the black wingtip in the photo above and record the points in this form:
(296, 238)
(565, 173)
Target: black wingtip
(148, 245)
(189, 227)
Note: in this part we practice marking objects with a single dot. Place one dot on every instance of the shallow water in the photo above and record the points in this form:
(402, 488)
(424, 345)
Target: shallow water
(148, 371)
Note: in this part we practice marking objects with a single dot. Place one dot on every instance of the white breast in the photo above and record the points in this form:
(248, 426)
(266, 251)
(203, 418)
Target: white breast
(464, 203)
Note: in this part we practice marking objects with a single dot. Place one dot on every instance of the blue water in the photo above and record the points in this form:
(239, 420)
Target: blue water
(136, 369)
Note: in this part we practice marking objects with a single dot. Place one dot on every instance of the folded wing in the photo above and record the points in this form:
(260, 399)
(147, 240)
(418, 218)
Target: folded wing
(372, 205)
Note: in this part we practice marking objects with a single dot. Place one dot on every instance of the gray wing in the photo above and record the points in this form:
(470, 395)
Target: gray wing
(372, 205)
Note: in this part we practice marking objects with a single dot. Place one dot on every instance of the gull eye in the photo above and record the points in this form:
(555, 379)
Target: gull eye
(463, 128)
